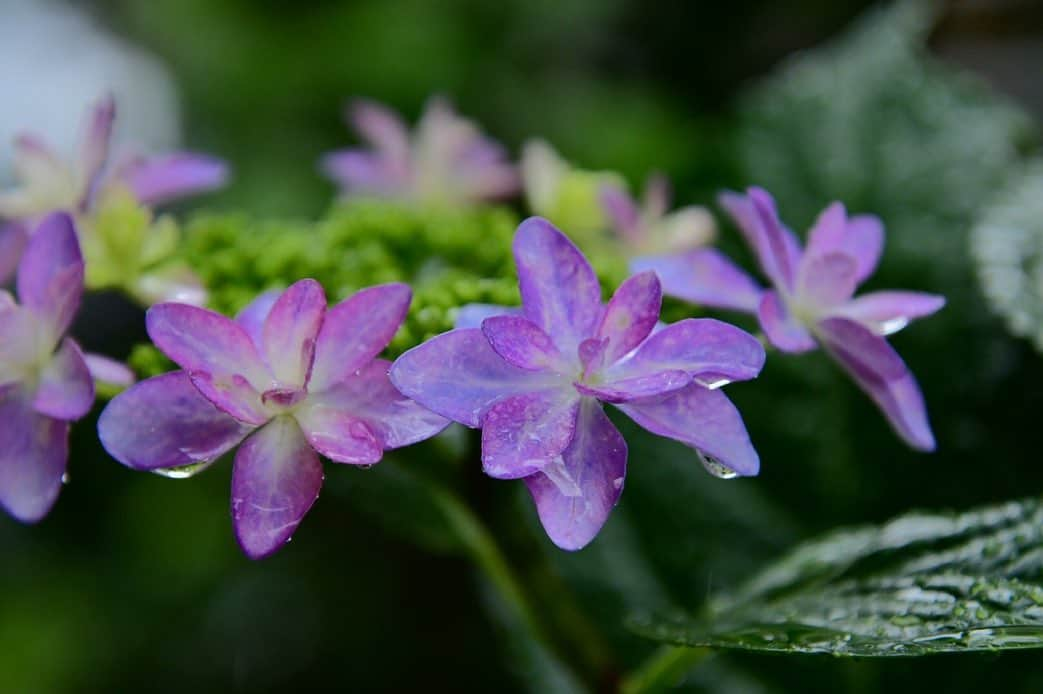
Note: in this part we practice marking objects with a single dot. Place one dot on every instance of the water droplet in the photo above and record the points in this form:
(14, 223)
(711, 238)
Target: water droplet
(65, 478)
(182, 472)
(716, 467)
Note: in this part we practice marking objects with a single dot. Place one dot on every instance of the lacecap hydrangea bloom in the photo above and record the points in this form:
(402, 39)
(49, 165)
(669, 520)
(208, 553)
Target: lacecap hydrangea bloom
(812, 303)
(649, 227)
(445, 160)
(534, 381)
(45, 380)
(48, 183)
(288, 379)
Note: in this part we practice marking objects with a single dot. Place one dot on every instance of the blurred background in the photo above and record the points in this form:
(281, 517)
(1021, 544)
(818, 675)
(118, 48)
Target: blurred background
(929, 118)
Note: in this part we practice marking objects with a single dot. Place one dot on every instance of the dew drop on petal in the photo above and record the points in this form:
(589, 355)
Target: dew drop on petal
(716, 467)
(182, 472)
(65, 478)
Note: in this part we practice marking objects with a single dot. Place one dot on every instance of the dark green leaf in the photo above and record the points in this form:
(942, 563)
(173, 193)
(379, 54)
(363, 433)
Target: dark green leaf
(923, 583)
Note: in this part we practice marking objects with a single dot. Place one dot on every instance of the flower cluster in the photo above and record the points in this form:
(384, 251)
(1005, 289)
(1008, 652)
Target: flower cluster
(290, 379)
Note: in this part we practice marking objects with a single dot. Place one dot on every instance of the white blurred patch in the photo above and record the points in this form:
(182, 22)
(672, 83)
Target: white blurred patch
(56, 61)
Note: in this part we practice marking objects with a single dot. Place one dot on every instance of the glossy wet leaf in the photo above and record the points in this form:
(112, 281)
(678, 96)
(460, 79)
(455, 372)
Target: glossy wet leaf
(922, 583)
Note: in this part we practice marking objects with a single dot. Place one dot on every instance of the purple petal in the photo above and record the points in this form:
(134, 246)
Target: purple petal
(881, 373)
(356, 330)
(621, 211)
(697, 346)
(156, 180)
(826, 280)
(66, 389)
(164, 422)
(638, 387)
(560, 292)
(199, 340)
(657, 196)
(860, 237)
(50, 274)
(776, 248)
(289, 334)
(472, 315)
(97, 139)
(106, 370)
(360, 171)
(523, 433)
(458, 375)
(251, 318)
(369, 396)
(575, 495)
(702, 418)
(233, 394)
(33, 453)
(13, 237)
(782, 328)
(381, 127)
(275, 480)
(521, 343)
(888, 312)
(704, 276)
(339, 435)
(630, 315)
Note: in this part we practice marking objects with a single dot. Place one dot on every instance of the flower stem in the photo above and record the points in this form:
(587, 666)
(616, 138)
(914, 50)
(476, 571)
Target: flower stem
(663, 669)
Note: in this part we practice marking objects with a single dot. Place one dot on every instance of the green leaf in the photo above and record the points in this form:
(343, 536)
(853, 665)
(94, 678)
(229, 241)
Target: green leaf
(923, 583)
(1007, 243)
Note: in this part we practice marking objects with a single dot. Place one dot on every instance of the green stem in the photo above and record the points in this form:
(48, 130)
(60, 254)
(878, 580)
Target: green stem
(486, 554)
(663, 669)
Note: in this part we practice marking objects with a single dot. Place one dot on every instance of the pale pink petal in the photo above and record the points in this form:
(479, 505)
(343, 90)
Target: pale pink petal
(275, 480)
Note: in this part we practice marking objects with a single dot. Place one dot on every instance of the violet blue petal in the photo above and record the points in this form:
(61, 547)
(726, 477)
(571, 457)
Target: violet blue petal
(275, 480)
(458, 375)
(13, 238)
(339, 435)
(702, 418)
(560, 292)
(65, 390)
(472, 315)
(356, 330)
(630, 315)
(523, 344)
(523, 433)
(33, 453)
(882, 375)
(703, 276)
(156, 180)
(232, 394)
(200, 340)
(887, 312)
(96, 140)
(290, 331)
(368, 395)
(781, 327)
(637, 387)
(696, 346)
(826, 280)
(251, 318)
(50, 274)
(164, 422)
(106, 370)
(575, 494)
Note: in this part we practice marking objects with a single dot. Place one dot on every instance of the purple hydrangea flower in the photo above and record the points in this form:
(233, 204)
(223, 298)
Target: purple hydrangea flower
(48, 183)
(651, 228)
(534, 383)
(812, 301)
(446, 159)
(45, 382)
(289, 379)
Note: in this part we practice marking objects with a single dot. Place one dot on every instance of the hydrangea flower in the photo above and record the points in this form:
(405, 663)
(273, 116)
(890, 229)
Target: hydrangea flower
(812, 301)
(45, 380)
(534, 383)
(566, 195)
(650, 228)
(446, 159)
(50, 184)
(288, 379)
